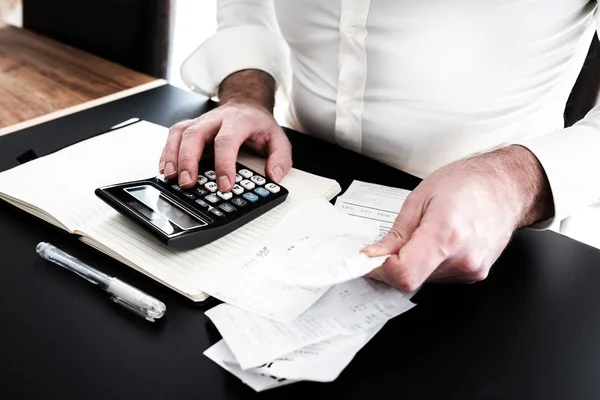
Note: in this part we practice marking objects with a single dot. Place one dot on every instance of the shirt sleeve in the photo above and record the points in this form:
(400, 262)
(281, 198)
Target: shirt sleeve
(571, 159)
(247, 37)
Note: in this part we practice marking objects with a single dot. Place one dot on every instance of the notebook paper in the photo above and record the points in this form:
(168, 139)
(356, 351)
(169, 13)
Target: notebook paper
(62, 184)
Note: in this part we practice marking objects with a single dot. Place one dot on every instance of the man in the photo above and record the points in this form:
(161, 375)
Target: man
(419, 85)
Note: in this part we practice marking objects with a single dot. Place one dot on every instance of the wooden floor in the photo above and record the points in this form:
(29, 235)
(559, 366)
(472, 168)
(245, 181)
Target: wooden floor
(39, 76)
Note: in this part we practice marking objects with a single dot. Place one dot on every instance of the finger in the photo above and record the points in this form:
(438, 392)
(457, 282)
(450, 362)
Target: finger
(405, 224)
(464, 267)
(168, 161)
(417, 259)
(279, 161)
(445, 272)
(191, 147)
(227, 144)
(161, 162)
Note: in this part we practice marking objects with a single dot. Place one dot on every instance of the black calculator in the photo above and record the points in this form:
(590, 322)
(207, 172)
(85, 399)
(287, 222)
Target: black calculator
(188, 218)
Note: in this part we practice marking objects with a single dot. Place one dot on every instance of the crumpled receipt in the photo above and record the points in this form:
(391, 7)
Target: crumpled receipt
(320, 262)
(346, 309)
(318, 246)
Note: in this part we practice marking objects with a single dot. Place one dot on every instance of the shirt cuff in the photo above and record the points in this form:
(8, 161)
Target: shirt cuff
(569, 158)
(235, 49)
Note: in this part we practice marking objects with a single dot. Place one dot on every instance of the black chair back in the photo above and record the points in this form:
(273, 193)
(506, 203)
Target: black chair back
(133, 33)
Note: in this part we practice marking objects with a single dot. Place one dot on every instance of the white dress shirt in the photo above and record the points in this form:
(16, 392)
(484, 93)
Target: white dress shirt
(417, 84)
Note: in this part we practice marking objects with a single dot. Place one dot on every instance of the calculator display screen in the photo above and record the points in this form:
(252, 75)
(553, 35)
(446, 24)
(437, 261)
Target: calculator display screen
(161, 212)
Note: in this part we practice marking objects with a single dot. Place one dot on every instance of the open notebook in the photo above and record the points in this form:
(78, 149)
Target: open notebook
(59, 189)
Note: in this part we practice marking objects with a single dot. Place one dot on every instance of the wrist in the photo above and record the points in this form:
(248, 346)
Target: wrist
(248, 87)
(527, 179)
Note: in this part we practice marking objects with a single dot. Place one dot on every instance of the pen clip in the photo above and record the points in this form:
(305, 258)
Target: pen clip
(132, 307)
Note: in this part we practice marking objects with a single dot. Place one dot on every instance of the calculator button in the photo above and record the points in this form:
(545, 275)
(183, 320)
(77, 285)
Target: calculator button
(238, 178)
(176, 187)
(246, 184)
(211, 187)
(239, 202)
(262, 192)
(245, 173)
(216, 212)
(224, 196)
(259, 180)
(212, 198)
(200, 191)
(189, 195)
(227, 207)
(251, 197)
(202, 203)
(202, 180)
(212, 175)
(237, 189)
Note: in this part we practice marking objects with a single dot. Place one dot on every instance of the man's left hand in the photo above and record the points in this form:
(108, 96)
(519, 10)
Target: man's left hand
(458, 221)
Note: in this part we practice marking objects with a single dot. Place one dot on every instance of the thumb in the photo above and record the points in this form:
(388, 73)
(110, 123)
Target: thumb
(279, 161)
(405, 224)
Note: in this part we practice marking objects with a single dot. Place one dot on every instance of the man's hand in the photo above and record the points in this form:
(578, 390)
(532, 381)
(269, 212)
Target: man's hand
(458, 221)
(243, 117)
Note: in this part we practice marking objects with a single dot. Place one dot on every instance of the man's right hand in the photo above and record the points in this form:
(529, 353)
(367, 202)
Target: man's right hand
(240, 119)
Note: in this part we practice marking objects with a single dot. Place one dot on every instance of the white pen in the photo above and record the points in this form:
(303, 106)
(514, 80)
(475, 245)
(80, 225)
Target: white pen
(121, 293)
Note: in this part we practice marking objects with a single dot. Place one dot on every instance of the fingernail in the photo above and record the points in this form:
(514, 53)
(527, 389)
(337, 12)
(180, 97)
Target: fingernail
(170, 169)
(224, 183)
(161, 167)
(372, 249)
(277, 173)
(184, 178)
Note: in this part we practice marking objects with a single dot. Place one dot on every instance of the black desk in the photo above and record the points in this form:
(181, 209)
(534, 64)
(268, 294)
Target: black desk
(530, 331)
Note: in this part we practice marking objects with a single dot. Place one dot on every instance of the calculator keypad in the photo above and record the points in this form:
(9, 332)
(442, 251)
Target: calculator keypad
(249, 191)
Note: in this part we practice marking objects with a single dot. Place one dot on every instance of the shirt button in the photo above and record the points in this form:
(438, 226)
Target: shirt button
(350, 30)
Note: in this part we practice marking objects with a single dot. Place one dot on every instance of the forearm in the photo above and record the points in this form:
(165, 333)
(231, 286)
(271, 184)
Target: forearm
(249, 86)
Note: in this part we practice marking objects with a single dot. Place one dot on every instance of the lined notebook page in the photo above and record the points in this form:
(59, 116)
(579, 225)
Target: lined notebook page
(62, 184)
(217, 268)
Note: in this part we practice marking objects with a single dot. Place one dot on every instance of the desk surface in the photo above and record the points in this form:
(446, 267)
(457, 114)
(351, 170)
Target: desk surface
(530, 331)
(39, 76)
